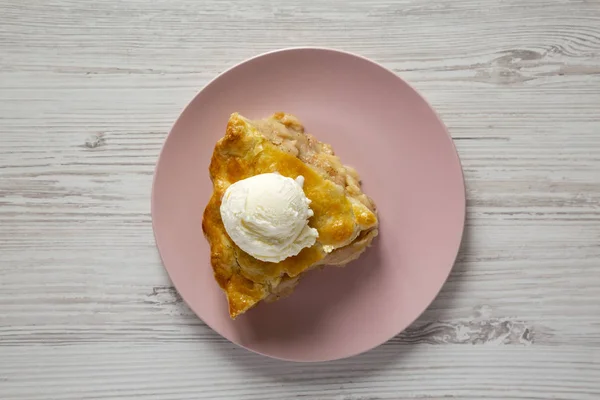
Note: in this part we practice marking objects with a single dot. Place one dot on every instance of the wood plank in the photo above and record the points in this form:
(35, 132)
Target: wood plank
(220, 370)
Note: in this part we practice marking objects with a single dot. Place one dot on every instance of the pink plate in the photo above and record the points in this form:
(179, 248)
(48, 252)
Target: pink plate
(377, 123)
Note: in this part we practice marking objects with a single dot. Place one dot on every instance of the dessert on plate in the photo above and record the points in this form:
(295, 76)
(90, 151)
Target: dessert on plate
(282, 204)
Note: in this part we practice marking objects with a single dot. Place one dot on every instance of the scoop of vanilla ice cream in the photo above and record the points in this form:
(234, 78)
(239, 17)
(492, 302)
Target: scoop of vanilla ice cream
(267, 216)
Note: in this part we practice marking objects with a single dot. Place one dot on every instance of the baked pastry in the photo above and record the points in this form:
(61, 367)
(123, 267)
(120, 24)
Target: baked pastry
(342, 215)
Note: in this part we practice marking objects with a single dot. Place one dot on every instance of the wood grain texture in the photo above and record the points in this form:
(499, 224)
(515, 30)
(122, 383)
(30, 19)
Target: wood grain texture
(88, 91)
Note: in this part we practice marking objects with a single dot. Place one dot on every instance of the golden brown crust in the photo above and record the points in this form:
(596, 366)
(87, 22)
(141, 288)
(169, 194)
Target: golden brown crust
(344, 217)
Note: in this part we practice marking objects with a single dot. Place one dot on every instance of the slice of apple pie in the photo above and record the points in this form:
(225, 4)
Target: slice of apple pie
(282, 204)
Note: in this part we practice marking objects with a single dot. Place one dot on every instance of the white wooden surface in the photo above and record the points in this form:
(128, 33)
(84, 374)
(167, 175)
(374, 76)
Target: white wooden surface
(88, 91)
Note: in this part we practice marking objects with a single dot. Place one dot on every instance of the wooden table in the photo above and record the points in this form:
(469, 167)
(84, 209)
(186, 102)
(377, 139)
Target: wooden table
(88, 91)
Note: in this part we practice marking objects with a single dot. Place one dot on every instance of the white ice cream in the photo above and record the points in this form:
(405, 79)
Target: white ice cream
(267, 216)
